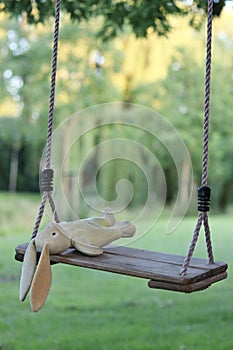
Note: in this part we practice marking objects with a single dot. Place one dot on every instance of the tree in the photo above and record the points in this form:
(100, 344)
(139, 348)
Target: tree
(25, 69)
(166, 75)
(180, 96)
(139, 15)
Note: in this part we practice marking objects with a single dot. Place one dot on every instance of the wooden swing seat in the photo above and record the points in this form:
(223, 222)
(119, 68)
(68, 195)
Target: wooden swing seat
(161, 269)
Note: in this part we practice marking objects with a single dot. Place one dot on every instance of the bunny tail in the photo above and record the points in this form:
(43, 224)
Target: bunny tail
(42, 280)
(28, 270)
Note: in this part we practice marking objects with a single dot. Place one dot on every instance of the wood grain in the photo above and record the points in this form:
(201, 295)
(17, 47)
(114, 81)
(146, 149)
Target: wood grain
(160, 268)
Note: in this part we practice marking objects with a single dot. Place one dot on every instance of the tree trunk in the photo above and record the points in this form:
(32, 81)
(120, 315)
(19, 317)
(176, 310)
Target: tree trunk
(185, 182)
(13, 169)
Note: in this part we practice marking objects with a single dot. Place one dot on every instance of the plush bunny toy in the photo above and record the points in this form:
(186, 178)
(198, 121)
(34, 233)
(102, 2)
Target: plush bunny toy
(88, 236)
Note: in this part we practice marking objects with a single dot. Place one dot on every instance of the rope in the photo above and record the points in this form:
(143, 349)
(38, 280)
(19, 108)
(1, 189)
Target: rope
(39, 215)
(207, 94)
(47, 173)
(53, 84)
(204, 191)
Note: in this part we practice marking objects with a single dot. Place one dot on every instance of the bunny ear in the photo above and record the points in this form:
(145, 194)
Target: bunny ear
(28, 270)
(42, 280)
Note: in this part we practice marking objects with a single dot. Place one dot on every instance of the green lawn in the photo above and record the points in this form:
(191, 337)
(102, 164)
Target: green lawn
(87, 309)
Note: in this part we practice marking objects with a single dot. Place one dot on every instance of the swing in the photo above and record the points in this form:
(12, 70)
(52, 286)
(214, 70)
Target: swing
(164, 271)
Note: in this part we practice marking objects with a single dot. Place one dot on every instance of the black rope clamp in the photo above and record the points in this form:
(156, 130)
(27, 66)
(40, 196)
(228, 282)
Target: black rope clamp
(46, 180)
(204, 193)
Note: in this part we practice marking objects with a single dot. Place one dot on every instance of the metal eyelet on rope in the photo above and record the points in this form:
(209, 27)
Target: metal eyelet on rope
(204, 193)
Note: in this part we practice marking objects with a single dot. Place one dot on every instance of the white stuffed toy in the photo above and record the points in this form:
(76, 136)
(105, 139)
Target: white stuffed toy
(88, 236)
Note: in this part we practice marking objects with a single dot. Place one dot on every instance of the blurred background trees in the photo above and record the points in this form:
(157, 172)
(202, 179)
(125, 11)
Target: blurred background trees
(139, 15)
(163, 73)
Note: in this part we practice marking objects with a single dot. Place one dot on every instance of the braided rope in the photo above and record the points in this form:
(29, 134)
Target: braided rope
(203, 215)
(39, 215)
(208, 238)
(192, 245)
(47, 191)
(207, 94)
(53, 207)
(53, 84)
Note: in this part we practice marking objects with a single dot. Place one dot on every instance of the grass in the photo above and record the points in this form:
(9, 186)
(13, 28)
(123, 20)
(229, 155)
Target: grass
(87, 309)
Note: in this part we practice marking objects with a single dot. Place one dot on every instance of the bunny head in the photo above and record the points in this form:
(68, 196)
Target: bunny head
(38, 278)
(55, 237)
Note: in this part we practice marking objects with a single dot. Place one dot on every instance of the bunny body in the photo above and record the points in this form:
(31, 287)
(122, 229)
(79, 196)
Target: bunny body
(88, 236)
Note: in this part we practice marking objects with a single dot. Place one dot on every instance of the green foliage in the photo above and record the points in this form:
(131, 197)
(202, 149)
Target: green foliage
(139, 15)
(166, 75)
(25, 66)
(14, 221)
(180, 98)
(11, 131)
(16, 135)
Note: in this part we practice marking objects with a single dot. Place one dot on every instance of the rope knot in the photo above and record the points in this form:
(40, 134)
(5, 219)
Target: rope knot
(46, 181)
(204, 193)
